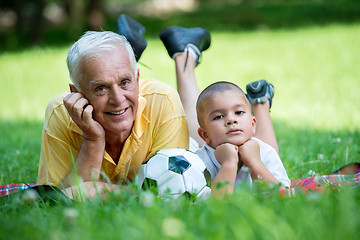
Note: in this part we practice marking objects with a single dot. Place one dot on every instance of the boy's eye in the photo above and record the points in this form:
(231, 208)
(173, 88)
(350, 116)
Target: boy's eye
(218, 117)
(239, 112)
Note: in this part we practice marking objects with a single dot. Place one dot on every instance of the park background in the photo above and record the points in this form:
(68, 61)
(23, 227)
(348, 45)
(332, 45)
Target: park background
(308, 49)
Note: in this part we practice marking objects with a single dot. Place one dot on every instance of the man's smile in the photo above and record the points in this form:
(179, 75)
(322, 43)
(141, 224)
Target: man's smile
(118, 112)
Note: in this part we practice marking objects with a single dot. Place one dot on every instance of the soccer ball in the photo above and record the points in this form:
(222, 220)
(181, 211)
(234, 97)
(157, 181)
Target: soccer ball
(171, 173)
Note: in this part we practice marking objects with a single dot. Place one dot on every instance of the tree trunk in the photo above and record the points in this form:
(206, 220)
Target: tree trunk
(95, 15)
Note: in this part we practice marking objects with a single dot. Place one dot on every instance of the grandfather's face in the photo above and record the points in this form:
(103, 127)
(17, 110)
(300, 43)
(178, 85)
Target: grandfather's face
(112, 87)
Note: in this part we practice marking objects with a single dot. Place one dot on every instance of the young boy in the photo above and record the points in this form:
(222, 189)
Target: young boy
(227, 127)
(225, 123)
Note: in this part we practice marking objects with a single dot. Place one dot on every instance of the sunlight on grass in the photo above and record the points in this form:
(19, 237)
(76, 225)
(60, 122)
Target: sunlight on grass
(30, 79)
(314, 71)
(315, 112)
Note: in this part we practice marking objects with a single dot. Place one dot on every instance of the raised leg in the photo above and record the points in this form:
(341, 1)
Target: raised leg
(185, 45)
(188, 91)
(264, 126)
(260, 95)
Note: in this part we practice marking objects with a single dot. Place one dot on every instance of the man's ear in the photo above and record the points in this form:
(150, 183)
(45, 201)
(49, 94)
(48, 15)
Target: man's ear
(138, 75)
(202, 133)
(73, 89)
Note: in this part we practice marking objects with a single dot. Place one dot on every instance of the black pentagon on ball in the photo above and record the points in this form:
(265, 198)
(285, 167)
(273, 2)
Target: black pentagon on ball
(207, 176)
(178, 164)
(150, 184)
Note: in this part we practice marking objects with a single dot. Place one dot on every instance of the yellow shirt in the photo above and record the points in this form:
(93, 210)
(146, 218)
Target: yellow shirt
(160, 124)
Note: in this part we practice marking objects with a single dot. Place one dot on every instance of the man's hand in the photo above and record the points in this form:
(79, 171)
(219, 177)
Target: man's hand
(81, 113)
(90, 155)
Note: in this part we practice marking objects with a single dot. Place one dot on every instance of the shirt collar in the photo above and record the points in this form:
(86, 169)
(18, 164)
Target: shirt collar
(211, 154)
(141, 121)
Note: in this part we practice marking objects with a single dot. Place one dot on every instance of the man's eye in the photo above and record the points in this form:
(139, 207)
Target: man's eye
(125, 82)
(100, 89)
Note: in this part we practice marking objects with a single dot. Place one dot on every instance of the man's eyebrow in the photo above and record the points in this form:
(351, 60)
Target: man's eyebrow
(95, 83)
(99, 82)
(125, 76)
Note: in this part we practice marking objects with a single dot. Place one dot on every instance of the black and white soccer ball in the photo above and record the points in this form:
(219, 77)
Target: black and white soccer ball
(171, 173)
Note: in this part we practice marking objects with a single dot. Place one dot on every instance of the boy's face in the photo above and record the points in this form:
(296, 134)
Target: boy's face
(226, 118)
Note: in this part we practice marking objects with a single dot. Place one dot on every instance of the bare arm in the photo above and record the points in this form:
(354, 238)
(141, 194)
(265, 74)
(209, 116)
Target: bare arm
(91, 152)
(227, 155)
(250, 155)
(89, 190)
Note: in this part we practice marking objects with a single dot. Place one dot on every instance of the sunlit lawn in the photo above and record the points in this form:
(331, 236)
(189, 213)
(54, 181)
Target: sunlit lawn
(315, 111)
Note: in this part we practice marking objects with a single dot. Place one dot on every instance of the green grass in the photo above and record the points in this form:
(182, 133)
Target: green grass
(315, 113)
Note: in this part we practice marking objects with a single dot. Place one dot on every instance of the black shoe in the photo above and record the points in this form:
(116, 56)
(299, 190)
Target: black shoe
(133, 31)
(260, 92)
(176, 39)
(38, 194)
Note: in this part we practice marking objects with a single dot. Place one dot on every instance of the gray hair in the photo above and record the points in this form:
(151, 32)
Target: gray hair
(92, 43)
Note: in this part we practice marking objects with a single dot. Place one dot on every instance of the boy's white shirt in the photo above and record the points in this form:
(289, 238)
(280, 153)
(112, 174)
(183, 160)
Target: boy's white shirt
(268, 155)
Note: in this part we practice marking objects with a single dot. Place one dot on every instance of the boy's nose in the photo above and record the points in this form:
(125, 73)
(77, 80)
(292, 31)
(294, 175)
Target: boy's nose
(231, 121)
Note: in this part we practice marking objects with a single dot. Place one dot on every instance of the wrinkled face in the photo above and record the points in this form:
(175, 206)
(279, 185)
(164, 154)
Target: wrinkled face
(227, 118)
(112, 87)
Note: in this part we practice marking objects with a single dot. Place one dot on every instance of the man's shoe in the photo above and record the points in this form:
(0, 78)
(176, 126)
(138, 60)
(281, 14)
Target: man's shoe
(133, 31)
(260, 92)
(176, 39)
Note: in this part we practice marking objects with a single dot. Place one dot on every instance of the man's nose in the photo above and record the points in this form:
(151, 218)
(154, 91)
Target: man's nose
(116, 96)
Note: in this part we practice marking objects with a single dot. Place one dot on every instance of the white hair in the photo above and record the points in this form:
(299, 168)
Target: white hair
(93, 43)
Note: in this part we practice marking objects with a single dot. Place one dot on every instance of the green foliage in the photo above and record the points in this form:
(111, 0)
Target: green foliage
(240, 216)
(315, 73)
(215, 15)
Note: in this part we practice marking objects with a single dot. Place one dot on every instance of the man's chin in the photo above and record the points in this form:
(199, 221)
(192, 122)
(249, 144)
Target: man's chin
(119, 128)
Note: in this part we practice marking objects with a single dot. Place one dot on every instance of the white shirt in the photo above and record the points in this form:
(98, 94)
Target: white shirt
(268, 155)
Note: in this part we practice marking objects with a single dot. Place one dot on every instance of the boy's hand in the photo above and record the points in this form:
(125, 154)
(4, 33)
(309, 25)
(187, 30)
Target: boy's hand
(227, 153)
(81, 113)
(250, 153)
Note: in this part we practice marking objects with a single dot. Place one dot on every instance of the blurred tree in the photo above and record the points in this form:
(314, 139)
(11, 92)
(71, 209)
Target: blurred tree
(95, 14)
(74, 11)
(29, 17)
(30, 22)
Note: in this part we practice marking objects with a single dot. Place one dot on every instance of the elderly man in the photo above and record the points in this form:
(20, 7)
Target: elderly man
(111, 122)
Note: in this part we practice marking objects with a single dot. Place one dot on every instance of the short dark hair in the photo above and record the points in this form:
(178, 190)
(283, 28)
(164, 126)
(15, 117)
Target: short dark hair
(215, 88)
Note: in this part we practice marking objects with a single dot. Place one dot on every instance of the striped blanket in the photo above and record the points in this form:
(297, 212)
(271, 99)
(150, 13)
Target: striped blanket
(347, 175)
(11, 188)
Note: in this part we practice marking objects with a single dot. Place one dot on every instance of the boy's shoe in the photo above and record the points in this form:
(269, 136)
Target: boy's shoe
(133, 31)
(176, 39)
(260, 92)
